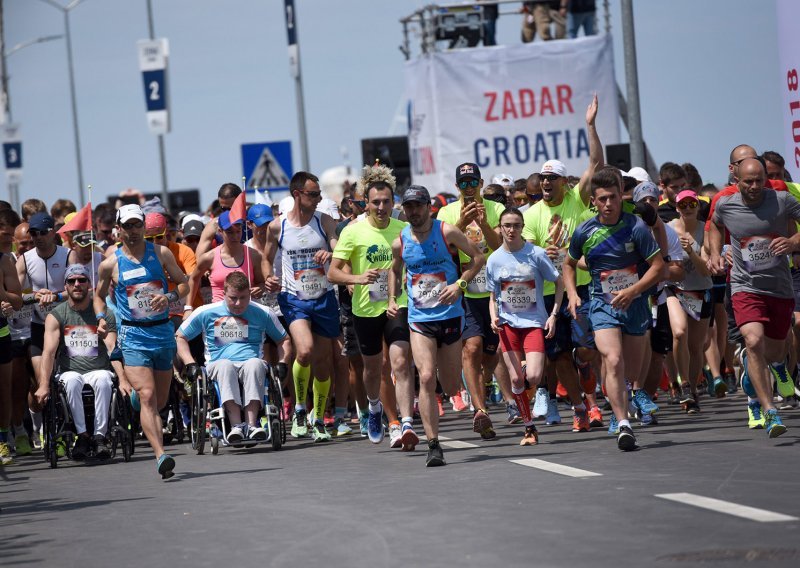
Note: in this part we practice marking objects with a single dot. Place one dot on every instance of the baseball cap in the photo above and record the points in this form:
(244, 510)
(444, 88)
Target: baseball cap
(286, 204)
(328, 206)
(74, 270)
(129, 212)
(155, 221)
(41, 222)
(686, 194)
(416, 193)
(260, 214)
(83, 239)
(190, 217)
(193, 228)
(224, 221)
(503, 180)
(467, 170)
(637, 173)
(645, 189)
(554, 167)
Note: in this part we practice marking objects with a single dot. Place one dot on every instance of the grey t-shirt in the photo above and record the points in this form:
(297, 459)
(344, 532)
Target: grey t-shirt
(692, 279)
(79, 347)
(752, 229)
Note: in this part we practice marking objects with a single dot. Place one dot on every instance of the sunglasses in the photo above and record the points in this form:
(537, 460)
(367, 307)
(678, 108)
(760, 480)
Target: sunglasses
(38, 233)
(362, 204)
(512, 226)
(73, 281)
(158, 236)
(534, 196)
(470, 183)
(550, 177)
(132, 225)
(496, 197)
(687, 205)
(312, 194)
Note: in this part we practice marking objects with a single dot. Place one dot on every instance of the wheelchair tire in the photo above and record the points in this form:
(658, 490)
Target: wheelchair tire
(277, 441)
(214, 446)
(126, 447)
(199, 408)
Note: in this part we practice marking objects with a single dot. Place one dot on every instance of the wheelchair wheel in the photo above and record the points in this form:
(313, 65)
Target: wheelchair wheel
(51, 427)
(214, 445)
(199, 407)
(277, 441)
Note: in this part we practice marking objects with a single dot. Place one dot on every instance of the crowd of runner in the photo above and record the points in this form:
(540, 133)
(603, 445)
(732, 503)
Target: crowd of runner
(609, 294)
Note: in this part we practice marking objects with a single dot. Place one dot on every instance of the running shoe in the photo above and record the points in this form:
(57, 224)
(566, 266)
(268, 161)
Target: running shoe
(236, 435)
(674, 394)
(626, 441)
(540, 402)
(341, 427)
(755, 418)
(514, 416)
(287, 408)
(553, 417)
(613, 425)
(101, 449)
(580, 421)
(319, 433)
(61, 448)
(482, 424)
(38, 440)
(561, 391)
(789, 403)
(691, 406)
(781, 375)
(363, 424)
(328, 419)
(435, 454)
(730, 381)
(595, 417)
(23, 445)
(299, 427)
(773, 423)
(647, 419)
(439, 404)
(375, 428)
(719, 388)
(257, 434)
(165, 466)
(458, 402)
(747, 386)
(644, 403)
(395, 436)
(409, 438)
(5, 454)
(531, 436)
(82, 447)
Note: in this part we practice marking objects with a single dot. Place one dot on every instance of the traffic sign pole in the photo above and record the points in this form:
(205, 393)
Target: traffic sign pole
(161, 157)
(294, 68)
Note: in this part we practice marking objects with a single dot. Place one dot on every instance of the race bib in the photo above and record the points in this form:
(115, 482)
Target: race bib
(81, 340)
(426, 288)
(379, 290)
(230, 329)
(517, 296)
(756, 254)
(42, 311)
(311, 283)
(139, 296)
(691, 302)
(22, 317)
(558, 261)
(617, 280)
(478, 284)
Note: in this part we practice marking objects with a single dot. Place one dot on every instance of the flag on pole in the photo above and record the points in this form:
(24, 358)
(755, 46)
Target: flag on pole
(239, 209)
(82, 221)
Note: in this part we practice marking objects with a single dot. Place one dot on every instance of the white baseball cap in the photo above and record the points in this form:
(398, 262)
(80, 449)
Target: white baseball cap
(554, 167)
(503, 180)
(637, 173)
(128, 212)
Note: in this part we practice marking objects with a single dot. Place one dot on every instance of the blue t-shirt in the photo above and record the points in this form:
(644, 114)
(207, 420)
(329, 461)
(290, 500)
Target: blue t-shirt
(517, 280)
(234, 337)
(614, 253)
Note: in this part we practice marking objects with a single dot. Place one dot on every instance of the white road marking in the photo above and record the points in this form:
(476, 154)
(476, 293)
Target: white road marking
(743, 511)
(456, 444)
(555, 468)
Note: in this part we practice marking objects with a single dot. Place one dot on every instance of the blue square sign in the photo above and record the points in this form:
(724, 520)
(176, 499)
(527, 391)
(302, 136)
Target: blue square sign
(267, 165)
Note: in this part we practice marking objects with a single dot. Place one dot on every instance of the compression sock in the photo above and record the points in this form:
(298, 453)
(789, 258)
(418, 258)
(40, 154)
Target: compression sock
(339, 411)
(321, 390)
(523, 405)
(301, 375)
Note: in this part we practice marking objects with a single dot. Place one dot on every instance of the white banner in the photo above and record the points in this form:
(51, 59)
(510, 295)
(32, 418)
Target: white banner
(153, 58)
(789, 82)
(508, 109)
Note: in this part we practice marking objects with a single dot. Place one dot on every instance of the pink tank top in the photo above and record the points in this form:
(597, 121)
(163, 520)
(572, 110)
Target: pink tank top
(219, 271)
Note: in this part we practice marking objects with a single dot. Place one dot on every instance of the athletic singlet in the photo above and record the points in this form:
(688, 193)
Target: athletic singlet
(4, 331)
(429, 269)
(301, 275)
(220, 271)
(20, 321)
(46, 274)
(137, 282)
(269, 299)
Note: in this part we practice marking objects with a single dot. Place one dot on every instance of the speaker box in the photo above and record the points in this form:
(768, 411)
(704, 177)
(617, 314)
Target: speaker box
(392, 151)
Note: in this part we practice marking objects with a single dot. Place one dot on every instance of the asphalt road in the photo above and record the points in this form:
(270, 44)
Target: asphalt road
(350, 503)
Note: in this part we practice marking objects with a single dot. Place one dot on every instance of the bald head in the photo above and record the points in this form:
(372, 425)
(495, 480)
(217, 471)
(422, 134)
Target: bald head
(750, 167)
(21, 232)
(741, 152)
(22, 239)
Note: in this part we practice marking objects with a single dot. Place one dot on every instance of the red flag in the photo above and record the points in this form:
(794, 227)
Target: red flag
(82, 221)
(239, 209)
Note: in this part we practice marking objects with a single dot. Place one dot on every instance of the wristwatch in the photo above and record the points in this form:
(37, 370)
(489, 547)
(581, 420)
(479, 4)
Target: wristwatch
(462, 284)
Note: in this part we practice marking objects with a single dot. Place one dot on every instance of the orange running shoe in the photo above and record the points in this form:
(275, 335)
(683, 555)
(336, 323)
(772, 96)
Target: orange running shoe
(580, 421)
(595, 417)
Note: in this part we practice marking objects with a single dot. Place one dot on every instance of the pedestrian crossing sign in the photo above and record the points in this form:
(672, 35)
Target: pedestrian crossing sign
(267, 165)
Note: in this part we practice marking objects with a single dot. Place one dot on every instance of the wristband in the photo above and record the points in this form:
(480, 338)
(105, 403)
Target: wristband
(172, 296)
(187, 308)
(59, 297)
(100, 316)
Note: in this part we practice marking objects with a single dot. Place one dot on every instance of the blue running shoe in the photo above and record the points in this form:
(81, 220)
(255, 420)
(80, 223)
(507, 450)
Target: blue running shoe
(755, 418)
(613, 426)
(375, 428)
(363, 424)
(644, 403)
(166, 464)
(747, 386)
(774, 424)
(782, 378)
(540, 402)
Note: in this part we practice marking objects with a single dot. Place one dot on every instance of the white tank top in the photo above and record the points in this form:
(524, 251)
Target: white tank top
(46, 273)
(300, 274)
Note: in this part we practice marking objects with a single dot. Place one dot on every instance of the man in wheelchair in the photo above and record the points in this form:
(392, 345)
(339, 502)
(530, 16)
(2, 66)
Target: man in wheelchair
(72, 346)
(234, 331)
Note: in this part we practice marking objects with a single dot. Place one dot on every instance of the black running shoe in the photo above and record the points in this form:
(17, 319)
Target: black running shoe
(101, 449)
(626, 441)
(82, 447)
(435, 454)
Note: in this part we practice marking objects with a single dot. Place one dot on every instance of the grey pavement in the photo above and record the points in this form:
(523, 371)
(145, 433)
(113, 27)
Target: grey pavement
(351, 503)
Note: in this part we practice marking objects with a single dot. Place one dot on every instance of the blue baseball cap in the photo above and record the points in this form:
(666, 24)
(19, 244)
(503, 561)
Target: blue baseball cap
(41, 222)
(224, 221)
(260, 214)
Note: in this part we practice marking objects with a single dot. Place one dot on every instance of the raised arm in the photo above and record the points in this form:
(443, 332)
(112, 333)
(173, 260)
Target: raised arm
(596, 160)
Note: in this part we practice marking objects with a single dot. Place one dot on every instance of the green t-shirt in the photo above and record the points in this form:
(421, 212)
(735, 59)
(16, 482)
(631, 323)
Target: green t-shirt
(365, 246)
(79, 348)
(476, 288)
(547, 225)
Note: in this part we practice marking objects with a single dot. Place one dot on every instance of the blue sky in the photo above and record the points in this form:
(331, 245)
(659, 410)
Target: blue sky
(708, 77)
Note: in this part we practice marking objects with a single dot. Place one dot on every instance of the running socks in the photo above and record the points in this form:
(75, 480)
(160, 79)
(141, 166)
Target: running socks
(301, 376)
(321, 390)
(523, 405)
(375, 406)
